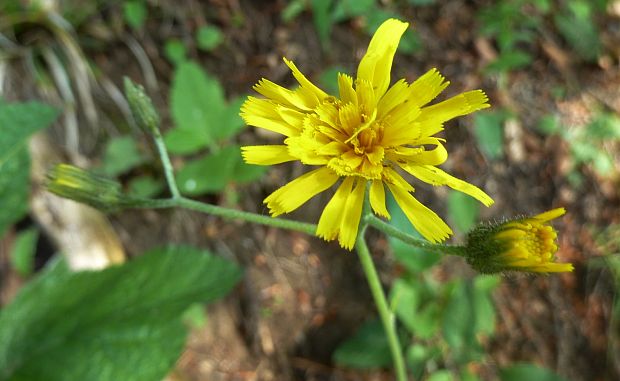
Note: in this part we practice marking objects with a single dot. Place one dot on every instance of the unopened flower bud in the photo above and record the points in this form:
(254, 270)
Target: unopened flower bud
(82, 186)
(141, 106)
(521, 244)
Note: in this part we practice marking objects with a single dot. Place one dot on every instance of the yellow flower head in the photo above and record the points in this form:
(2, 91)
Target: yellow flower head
(364, 135)
(524, 244)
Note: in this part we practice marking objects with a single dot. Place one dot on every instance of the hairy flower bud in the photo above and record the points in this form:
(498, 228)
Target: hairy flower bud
(82, 186)
(521, 244)
(141, 106)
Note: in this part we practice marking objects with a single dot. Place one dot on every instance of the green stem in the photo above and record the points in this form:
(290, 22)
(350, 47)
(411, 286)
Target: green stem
(388, 229)
(387, 316)
(166, 163)
(231, 214)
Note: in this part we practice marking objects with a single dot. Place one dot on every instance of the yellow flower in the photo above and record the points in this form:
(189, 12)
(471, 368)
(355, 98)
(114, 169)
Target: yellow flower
(363, 136)
(523, 244)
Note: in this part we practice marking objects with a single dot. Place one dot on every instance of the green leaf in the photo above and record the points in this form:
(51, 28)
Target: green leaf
(180, 141)
(175, 51)
(441, 375)
(228, 121)
(197, 100)
(14, 189)
(576, 23)
(410, 41)
(246, 173)
(489, 133)
(122, 323)
(135, 13)
(121, 155)
(209, 37)
(405, 300)
(322, 20)
(367, 349)
(329, 79)
(292, 10)
(145, 186)
(549, 124)
(510, 60)
(520, 372)
(463, 210)
(413, 258)
(20, 120)
(208, 174)
(347, 9)
(23, 251)
(459, 322)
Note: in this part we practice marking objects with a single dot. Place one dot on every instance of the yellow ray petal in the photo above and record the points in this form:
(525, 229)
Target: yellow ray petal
(461, 104)
(550, 214)
(376, 64)
(435, 176)
(427, 87)
(329, 223)
(266, 155)
(345, 87)
(304, 82)
(377, 199)
(422, 218)
(351, 215)
(294, 194)
(280, 94)
(395, 96)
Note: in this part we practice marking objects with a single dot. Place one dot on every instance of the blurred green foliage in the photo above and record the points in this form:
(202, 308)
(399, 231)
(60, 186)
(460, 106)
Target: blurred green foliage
(588, 143)
(327, 13)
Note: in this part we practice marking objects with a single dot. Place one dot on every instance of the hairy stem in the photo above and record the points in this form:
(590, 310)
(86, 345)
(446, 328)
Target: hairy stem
(387, 316)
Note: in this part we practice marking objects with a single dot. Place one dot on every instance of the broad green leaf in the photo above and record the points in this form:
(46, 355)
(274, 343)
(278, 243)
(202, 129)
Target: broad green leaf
(246, 173)
(209, 37)
(367, 349)
(122, 323)
(463, 210)
(23, 251)
(228, 122)
(489, 133)
(121, 155)
(184, 142)
(197, 100)
(135, 13)
(413, 258)
(175, 51)
(20, 120)
(520, 372)
(14, 188)
(208, 174)
(145, 186)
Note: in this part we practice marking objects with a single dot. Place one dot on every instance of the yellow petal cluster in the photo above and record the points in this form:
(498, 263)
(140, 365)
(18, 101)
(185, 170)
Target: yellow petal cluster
(523, 244)
(370, 134)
